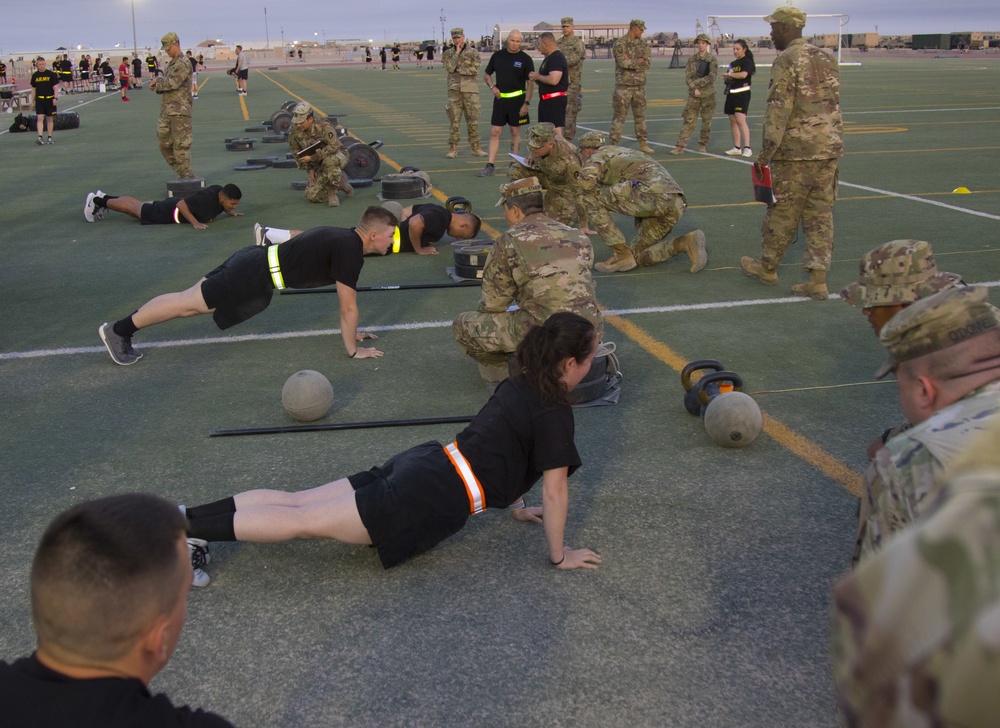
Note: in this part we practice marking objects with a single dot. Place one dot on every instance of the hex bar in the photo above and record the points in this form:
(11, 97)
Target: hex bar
(340, 426)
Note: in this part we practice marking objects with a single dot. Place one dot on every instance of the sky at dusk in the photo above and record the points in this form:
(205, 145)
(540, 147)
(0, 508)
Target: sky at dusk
(104, 23)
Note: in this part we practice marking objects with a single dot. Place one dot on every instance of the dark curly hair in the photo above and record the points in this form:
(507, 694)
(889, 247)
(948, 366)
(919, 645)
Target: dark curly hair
(544, 347)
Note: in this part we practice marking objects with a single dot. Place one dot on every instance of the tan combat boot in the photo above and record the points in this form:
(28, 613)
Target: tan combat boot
(814, 288)
(702, 148)
(452, 152)
(693, 245)
(346, 187)
(755, 269)
(477, 152)
(677, 150)
(621, 261)
(645, 148)
(332, 199)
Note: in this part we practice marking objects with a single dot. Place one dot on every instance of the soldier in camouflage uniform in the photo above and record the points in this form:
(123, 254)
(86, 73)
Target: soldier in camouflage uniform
(803, 137)
(325, 165)
(575, 51)
(539, 264)
(699, 75)
(461, 61)
(632, 59)
(619, 179)
(945, 352)
(916, 641)
(890, 278)
(556, 163)
(174, 128)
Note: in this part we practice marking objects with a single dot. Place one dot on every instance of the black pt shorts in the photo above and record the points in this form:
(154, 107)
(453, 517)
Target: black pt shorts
(737, 103)
(507, 112)
(240, 288)
(411, 503)
(553, 111)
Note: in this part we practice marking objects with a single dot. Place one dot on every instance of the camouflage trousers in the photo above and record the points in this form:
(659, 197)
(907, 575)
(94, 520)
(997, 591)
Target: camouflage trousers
(463, 103)
(623, 99)
(805, 192)
(490, 337)
(324, 178)
(174, 134)
(655, 212)
(562, 204)
(574, 102)
(703, 106)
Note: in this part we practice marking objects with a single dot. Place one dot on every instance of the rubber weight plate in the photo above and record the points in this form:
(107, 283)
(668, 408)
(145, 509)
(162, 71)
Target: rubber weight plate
(266, 161)
(464, 271)
(249, 167)
(239, 146)
(285, 164)
(472, 256)
(299, 184)
(274, 138)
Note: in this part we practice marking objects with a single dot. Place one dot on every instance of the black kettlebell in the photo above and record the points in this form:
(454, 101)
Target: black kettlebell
(712, 385)
(458, 204)
(691, 403)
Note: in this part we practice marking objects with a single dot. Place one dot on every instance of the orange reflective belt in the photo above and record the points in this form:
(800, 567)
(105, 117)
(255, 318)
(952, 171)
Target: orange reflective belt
(554, 94)
(477, 496)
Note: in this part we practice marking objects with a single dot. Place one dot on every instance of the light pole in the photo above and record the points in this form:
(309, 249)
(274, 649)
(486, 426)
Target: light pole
(135, 46)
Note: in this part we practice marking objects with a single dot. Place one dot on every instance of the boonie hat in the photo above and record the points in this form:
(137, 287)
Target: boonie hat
(593, 140)
(541, 134)
(168, 40)
(301, 112)
(897, 273)
(935, 323)
(788, 15)
(518, 188)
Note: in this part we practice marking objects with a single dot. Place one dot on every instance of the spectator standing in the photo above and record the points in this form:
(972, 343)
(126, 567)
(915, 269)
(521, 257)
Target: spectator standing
(511, 95)
(44, 84)
(632, 59)
(575, 52)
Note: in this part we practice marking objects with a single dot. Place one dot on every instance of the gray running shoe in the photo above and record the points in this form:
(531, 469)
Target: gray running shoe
(119, 347)
(488, 170)
(198, 550)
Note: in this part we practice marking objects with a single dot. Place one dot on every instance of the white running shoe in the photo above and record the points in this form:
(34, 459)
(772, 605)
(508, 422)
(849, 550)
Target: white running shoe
(88, 207)
(198, 550)
(260, 235)
(747, 152)
(734, 152)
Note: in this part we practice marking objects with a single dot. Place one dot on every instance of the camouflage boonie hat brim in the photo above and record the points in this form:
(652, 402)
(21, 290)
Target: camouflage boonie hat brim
(787, 15)
(897, 273)
(592, 140)
(936, 323)
(637, 23)
(703, 37)
(301, 112)
(168, 40)
(566, 21)
(518, 188)
(541, 134)
(457, 32)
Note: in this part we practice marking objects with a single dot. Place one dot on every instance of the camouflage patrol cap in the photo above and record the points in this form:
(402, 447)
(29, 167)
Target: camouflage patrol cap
(703, 37)
(935, 323)
(635, 22)
(168, 40)
(457, 32)
(897, 273)
(301, 112)
(593, 140)
(541, 134)
(788, 15)
(519, 187)
(566, 21)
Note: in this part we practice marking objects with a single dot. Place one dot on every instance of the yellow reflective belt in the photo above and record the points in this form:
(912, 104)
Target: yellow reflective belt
(511, 94)
(395, 241)
(275, 267)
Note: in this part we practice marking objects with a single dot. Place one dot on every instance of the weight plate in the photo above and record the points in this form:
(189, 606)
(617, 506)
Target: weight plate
(249, 167)
(285, 164)
(299, 184)
(470, 273)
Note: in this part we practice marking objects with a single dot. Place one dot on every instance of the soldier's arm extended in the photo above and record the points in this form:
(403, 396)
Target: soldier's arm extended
(780, 102)
(590, 177)
(415, 230)
(498, 282)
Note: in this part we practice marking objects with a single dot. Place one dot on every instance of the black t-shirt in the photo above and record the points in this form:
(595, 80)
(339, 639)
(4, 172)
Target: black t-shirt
(137, 66)
(151, 63)
(555, 61)
(204, 204)
(436, 221)
(511, 70)
(320, 257)
(44, 83)
(514, 439)
(738, 65)
(33, 696)
(194, 64)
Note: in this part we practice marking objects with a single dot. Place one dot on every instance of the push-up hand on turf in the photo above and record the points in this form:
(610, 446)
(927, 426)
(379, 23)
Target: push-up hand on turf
(243, 286)
(198, 209)
(424, 495)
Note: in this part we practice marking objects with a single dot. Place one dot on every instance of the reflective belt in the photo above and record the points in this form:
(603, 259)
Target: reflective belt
(275, 267)
(739, 90)
(44, 97)
(395, 241)
(511, 94)
(554, 94)
(177, 215)
(477, 497)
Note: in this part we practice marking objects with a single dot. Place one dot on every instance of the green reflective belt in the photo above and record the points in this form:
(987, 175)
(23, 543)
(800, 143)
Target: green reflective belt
(511, 94)
(274, 267)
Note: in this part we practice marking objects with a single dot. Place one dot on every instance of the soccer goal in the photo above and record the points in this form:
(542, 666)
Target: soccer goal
(827, 31)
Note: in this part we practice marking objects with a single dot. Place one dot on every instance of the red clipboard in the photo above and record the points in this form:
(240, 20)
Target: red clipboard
(763, 191)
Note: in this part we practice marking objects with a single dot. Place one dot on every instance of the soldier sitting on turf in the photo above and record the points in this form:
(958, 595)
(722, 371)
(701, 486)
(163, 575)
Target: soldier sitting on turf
(945, 353)
(623, 180)
(243, 286)
(325, 164)
(539, 264)
(421, 226)
(556, 163)
(198, 208)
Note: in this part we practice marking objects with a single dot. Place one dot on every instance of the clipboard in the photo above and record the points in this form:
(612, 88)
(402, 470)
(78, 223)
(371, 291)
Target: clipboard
(523, 161)
(311, 149)
(763, 191)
